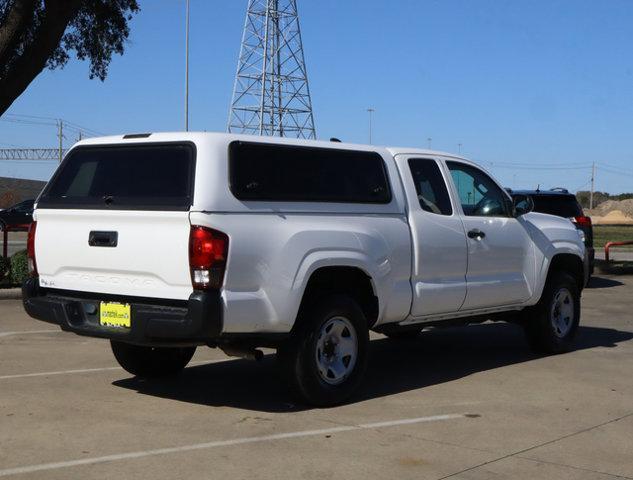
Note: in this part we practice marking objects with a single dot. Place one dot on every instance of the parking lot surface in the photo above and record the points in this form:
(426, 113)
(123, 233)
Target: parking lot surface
(462, 403)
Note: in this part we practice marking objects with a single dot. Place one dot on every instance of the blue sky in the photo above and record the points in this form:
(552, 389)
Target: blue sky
(534, 90)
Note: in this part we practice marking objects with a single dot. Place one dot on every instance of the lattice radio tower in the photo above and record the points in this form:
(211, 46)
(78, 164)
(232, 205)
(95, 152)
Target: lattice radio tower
(271, 94)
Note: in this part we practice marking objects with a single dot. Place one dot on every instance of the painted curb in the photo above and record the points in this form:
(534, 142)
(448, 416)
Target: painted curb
(10, 293)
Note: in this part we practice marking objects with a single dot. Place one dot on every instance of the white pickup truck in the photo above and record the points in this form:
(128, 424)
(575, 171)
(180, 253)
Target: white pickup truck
(165, 242)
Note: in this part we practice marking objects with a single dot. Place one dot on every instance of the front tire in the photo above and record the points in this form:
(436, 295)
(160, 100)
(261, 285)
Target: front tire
(151, 362)
(551, 325)
(326, 356)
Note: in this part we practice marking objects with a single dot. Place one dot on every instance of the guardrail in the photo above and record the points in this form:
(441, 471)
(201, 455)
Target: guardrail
(608, 246)
(5, 235)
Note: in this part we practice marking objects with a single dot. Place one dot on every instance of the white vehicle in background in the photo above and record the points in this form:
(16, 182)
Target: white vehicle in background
(165, 242)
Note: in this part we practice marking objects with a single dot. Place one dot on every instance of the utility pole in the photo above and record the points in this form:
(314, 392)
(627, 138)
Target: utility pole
(459, 148)
(593, 184)
(187, 66)
(60, 134)
(429, 140)
(371, 113)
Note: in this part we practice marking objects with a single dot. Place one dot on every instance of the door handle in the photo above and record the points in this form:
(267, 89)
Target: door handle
(103, 239)
(476, 234)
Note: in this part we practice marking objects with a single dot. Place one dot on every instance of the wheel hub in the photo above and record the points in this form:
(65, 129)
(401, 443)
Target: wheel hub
(336, 350)
(562, 312)
(329, 348)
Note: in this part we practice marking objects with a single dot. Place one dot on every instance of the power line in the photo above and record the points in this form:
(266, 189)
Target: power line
(74, 126)
(29, 116)
(615, 172)
(561, 164)
(534, 167)
(615, 169)
(47, 121)
(26, 122)
(582, 186)
(531, 165)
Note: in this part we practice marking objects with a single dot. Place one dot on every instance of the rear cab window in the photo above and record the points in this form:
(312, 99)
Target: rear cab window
(559, 205)
(128, 177)
(288, 173)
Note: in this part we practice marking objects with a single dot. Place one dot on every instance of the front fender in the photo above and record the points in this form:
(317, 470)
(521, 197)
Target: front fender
(551, 236)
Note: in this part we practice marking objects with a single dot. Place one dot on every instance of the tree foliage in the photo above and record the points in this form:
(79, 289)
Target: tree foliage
(38, 34)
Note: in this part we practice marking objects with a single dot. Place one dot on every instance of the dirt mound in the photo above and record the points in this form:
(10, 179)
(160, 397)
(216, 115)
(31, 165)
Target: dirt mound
(614, 217)
(624, 206)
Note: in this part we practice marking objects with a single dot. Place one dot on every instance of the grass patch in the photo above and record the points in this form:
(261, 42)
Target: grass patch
(612, 233)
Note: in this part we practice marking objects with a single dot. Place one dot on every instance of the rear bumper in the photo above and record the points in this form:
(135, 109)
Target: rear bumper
(197, 321)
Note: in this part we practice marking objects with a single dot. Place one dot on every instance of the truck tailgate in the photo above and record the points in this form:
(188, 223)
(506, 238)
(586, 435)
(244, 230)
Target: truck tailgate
(150, 258)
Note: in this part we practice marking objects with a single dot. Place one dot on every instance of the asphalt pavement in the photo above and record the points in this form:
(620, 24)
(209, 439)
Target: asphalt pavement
(460, 403)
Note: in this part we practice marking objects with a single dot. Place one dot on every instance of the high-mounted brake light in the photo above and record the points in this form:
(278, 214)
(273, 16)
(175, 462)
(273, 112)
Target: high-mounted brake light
(30, 250)
(208, 250)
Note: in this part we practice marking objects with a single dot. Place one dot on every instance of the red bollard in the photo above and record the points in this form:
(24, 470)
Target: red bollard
(613, 244)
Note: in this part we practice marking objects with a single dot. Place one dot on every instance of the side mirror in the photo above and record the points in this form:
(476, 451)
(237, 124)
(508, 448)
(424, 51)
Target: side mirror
(522, 204)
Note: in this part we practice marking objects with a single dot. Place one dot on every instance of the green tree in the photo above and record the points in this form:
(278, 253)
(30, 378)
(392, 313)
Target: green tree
(38, 34)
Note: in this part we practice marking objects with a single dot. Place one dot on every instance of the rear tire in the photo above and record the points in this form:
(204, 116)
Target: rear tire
(551, 325)
(151, 362)
(325, 358)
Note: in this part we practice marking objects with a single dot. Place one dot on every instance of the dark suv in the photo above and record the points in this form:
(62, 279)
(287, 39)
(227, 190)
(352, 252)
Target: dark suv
(561, 203)
(18, 214)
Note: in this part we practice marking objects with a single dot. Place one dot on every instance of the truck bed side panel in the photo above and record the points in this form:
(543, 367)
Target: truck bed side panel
(271, 258)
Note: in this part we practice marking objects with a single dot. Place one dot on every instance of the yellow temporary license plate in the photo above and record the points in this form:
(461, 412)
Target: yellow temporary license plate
(115, 315)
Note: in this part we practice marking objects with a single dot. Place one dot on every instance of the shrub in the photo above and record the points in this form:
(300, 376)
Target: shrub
(19, 267)
(5, 267)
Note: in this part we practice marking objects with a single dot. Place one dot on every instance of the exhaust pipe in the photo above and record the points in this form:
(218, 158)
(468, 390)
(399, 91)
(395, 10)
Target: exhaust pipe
(242, 352)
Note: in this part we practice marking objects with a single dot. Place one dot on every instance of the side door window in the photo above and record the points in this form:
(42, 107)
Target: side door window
(430, 186)
(479, 195)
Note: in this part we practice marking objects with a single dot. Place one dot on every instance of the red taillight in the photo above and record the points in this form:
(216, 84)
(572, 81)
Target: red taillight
(30, 250)
(582, 221)
(207, 257)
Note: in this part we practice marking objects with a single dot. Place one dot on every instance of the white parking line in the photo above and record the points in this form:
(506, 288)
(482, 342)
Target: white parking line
(60, 372)
(223, 443)
(92, 370)
(26, 332)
